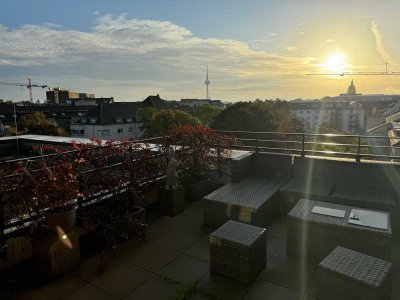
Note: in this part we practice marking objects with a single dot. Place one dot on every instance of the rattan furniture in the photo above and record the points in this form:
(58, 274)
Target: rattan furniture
(238, 250)
(314, 236)
(253, 200)
(347, 274)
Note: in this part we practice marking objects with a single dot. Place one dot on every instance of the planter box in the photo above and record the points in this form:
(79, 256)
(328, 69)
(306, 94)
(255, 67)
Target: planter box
(125, 228)
(56, 255)
(172, 201)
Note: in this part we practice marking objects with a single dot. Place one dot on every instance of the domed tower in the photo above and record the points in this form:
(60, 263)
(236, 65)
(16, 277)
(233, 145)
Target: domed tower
(352, 89)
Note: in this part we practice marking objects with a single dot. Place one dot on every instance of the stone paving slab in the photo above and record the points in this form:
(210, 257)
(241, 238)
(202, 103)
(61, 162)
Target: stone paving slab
(200, 249)
(175, 240)
(261, 289)
(88, 292)
(156, 288)
(185, 269)
(55, 290)
(152, 257)
(122, 280)
(90, 269)
(223, 287)
(290, 273)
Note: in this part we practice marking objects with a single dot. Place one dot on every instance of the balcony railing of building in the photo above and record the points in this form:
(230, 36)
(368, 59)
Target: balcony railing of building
(358, 148)
(354, 147)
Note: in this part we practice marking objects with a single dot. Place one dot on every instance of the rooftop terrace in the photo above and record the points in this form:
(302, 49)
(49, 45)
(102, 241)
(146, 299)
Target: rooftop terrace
(172, 261)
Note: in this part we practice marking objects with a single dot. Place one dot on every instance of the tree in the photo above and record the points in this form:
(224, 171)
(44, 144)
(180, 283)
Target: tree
(245, 116)
(158, 123)
(206, 113)
(37, 123)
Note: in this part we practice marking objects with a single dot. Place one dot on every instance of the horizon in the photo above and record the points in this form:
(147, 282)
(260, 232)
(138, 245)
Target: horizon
(129, 50)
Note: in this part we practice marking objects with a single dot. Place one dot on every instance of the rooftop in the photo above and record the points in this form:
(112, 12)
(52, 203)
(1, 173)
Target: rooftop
(172, 261)
(175, 255)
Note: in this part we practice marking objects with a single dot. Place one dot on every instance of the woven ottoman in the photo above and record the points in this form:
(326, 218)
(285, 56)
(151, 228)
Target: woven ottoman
(347, 274)
(238, 250)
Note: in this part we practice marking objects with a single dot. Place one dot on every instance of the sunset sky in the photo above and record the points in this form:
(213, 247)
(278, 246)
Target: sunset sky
(254, 49)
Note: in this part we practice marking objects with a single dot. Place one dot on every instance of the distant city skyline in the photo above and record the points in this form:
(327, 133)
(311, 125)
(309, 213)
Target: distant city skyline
(253, 49)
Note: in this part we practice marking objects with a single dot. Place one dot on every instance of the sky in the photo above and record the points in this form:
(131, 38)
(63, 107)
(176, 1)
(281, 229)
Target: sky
(253, 48)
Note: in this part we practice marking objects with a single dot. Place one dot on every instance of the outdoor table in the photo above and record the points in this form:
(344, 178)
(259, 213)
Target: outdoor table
(314, 235)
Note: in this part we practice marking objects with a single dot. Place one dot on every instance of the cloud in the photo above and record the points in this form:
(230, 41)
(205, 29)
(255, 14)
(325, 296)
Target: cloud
(300, 24)
(374, 16)
(96, 12)
(301, 33)
(379, 44)
(291, 48)
(274, 34)
(126, 55)
(329, 40)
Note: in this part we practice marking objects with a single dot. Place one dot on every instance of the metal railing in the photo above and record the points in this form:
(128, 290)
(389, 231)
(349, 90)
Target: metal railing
(358, 148)
(355, 147)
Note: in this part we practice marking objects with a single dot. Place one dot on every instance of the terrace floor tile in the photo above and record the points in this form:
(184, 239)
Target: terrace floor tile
(152, 257)
(122, 280)
(222, 287)
(176, 240)
(58, 289)
(91, 268)
(156, 288)
(266, 290)
(88, 291)
(185, 269)
(200, 249)
(290, 273)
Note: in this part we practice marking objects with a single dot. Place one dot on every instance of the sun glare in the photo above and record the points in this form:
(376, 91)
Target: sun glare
(335, 63)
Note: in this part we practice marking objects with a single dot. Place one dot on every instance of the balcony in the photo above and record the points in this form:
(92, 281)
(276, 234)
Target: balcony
(173, 259)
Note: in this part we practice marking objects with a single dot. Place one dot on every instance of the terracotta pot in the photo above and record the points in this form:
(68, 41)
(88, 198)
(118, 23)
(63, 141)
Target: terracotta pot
(61, 222)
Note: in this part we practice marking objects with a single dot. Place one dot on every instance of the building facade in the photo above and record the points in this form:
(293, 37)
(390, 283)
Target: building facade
(343, 116)
(109, 121)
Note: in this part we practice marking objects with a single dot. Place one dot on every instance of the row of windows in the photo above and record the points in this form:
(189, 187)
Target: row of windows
(105, 132)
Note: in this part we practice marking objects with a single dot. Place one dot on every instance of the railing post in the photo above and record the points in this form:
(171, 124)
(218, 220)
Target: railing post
(219, 159)
(80, 188)
(303, 152)
(257, 150)
(358, 158)
(2, 222)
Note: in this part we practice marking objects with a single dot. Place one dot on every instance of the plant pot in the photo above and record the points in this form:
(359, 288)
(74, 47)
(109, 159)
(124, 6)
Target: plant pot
(172, 201)
(61, 223)
(124, 228)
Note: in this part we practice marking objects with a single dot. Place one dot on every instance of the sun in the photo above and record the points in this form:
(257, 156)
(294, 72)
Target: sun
(335, 62)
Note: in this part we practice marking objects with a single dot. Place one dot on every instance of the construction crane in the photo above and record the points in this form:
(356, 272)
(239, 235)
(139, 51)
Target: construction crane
(359, 73)
(29, 86)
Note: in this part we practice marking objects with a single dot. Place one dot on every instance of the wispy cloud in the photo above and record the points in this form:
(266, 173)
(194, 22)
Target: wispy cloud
(300, 24)
(374, 16)
(379, 43)
(96, 12)
(291, 48)
(329, 40)
(274, 34)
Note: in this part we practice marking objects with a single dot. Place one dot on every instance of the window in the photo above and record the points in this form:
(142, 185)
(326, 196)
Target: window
(130, 129)
(103, 132)
(78, 132)
(92, 121)
(301, 112)
(119, 131)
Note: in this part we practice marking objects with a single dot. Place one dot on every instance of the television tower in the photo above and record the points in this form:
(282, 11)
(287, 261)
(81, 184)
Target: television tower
(207, 83)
